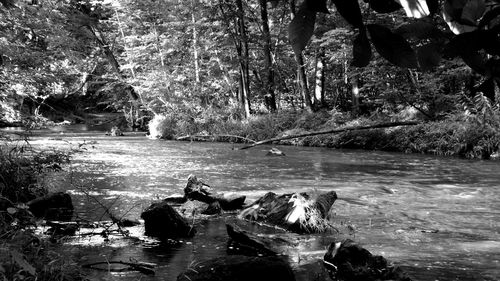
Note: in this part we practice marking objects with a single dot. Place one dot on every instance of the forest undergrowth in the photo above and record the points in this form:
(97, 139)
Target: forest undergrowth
(472, 132)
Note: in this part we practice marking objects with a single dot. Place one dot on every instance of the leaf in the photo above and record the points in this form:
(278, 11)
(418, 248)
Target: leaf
(472, 11)
(428, 56)
(474, 41)
(350, 11)
(475, 61)
(489, 16)
(392, 47)
(301, 29)
(11, 210)
(415, 8)
(361, 50)
(384, 6)
(454, 25)
(22, 263)
(419, 30)
(493, 68)
(433, 6)
(317, 6)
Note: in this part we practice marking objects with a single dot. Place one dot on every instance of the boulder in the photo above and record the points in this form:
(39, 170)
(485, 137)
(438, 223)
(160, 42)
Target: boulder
(197, 190)
(55, 206)
(213, 209)
(163, 222)
(297, 212)
(241, 268)
(350, 262)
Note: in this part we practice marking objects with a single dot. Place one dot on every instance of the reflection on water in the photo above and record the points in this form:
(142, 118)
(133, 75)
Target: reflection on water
(437, 217)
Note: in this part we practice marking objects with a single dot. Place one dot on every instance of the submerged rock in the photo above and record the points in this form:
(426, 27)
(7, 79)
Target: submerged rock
(297, 212)
(275, 152)
(241, 268)
(348, 261)
(55, 206)
(163, 222)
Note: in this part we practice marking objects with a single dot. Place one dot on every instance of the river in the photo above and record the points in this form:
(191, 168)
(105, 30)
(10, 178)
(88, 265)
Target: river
(438, 218)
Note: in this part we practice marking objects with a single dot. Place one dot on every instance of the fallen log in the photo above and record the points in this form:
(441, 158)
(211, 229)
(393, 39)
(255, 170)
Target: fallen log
(190, 137)
(143, 267)
(333, 131)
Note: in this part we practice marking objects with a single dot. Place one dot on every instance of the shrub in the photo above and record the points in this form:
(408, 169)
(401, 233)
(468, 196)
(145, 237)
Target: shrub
(163, 126)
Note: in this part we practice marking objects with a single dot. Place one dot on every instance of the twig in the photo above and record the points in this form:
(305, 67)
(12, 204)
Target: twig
(334, 131)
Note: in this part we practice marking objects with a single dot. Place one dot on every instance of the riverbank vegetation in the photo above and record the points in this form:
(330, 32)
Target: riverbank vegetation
(259, 69)
(24, 255)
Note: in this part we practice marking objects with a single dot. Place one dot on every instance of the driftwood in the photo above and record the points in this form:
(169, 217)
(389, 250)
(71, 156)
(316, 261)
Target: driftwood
(333, 131)
(143, 267)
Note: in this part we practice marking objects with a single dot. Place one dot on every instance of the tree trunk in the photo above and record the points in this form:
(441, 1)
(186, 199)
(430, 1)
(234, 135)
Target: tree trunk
(270, 98)
(301, 70)
(319, 89)
(355, 95)
(244, 58)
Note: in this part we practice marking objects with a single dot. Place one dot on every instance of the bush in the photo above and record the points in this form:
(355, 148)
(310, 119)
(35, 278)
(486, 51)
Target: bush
(163, 126)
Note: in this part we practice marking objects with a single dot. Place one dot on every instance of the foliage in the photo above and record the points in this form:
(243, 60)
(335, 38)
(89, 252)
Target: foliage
(22, 168)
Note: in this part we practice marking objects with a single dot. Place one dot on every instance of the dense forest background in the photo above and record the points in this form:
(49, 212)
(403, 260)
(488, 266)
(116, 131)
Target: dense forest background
(204, 66)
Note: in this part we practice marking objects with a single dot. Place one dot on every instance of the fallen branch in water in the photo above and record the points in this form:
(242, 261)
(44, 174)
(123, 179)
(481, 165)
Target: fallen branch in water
(143, 267)
(334, 131)
(215, 136)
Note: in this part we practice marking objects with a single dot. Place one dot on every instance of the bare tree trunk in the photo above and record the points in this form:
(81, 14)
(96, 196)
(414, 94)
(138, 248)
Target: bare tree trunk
(319, 89)
(195, 45)
(269, 97)
(355, 95)
(301, 70)
(244, 60)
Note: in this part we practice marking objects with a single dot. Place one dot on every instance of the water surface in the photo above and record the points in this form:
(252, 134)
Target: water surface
(436, 217)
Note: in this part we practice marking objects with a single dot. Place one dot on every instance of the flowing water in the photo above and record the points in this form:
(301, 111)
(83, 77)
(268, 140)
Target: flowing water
(438, 218)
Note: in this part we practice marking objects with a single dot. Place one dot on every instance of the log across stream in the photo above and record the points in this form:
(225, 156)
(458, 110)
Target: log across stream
(435, 217)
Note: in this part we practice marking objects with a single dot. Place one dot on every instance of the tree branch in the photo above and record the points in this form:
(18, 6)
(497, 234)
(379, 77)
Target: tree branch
(334, 131)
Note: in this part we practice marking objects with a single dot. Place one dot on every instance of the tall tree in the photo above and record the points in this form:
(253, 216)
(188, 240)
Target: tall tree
(270, 97)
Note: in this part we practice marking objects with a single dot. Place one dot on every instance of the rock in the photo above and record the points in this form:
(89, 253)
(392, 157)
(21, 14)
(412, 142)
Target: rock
(275, 152)
(297, 212)
(176, 199)
(350, 262)
(55, 206)
(241, 268)
(213, 209)
(163, 222)
(256, 245)
(197, 190)
(115, 132)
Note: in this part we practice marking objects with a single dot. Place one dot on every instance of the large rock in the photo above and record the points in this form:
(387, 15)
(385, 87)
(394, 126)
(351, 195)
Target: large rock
(241, 268)
(55, 206)
(348, 261)
(297, 212)
(163, 222)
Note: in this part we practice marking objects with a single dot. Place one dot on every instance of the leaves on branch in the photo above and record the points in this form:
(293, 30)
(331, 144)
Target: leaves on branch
(489, 17)
(415, 8)
(462, 15)
(361, 50)
(428, 56)
(350, 11)
(384, 6)
(419, 30)
(474, 41)
(392, 47)
(301, 28)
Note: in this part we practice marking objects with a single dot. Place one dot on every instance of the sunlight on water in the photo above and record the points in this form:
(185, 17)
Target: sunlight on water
(436, 217)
